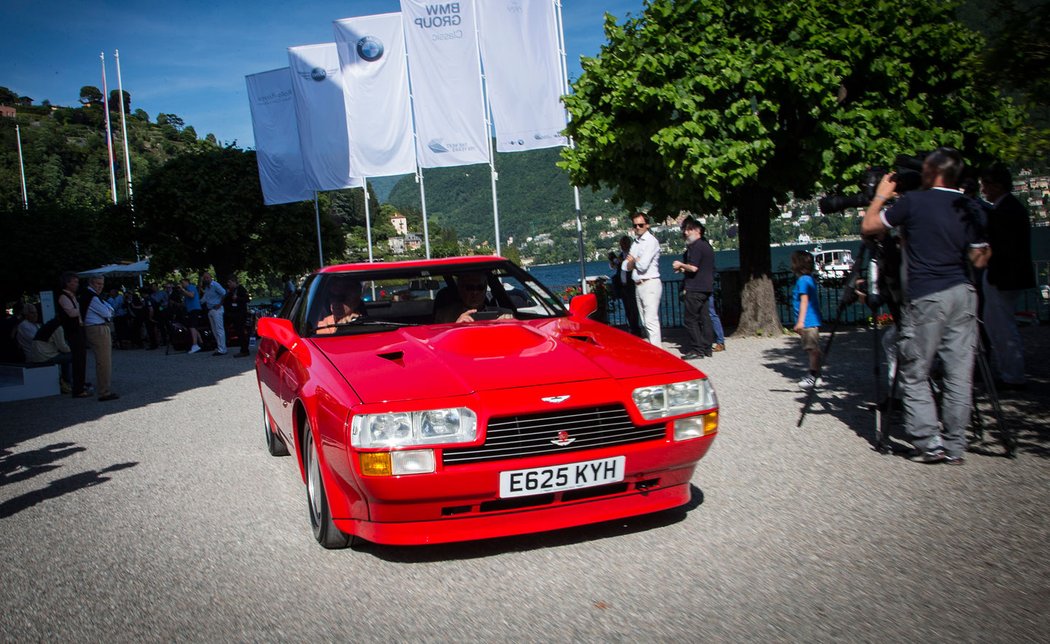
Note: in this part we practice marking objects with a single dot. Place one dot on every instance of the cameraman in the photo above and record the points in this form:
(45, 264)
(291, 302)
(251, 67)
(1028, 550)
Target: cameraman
(941, 228)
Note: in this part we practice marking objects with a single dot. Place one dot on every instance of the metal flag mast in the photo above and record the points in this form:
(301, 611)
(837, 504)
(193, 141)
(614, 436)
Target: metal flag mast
(368, 219)
(317, 219)
(575, 189)
(419, 168)
(22, 168)
(124, 130)
(487, 106)
(109, 131)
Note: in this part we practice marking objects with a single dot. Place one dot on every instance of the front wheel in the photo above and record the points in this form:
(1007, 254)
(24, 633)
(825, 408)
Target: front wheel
(324, 528)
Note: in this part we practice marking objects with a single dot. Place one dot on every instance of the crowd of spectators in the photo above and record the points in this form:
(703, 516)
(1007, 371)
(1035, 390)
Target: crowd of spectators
(90, 317)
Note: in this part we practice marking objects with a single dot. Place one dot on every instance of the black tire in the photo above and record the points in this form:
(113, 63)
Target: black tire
(324, 528)
(274, 444)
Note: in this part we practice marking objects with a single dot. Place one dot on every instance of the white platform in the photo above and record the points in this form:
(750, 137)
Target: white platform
(19, 382)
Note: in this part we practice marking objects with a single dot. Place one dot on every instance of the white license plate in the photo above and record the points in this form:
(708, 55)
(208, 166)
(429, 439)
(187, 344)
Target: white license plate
(571, 476)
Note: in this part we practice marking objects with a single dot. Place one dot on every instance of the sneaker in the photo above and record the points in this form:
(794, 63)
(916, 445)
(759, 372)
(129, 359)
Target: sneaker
(930, 457)
(219, 353)
(718, 346)
(954, 460)
(242, 354)
(808, 382)
(194, 349)
(108, 397)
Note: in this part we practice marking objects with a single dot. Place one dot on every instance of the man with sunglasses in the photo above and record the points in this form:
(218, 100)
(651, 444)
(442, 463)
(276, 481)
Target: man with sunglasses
(471, 289)
(643, 263)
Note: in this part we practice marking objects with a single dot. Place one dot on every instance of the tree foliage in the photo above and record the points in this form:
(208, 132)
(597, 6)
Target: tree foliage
(206, 210)
(90, 95)
(718, 106)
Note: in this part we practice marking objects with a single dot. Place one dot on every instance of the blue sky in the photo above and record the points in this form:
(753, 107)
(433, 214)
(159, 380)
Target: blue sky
(190, 58)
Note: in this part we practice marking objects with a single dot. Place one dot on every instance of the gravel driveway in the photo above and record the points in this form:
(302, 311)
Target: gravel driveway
(160, 516)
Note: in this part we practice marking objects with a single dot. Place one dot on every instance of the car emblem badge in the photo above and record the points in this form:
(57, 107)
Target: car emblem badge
(555, 399)
(563, 439)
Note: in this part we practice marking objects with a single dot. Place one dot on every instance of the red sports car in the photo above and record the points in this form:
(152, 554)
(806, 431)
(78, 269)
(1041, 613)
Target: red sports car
(457, 399)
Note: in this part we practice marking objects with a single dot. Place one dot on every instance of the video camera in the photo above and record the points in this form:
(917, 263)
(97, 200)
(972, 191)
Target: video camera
(877, 276)
(907, 176)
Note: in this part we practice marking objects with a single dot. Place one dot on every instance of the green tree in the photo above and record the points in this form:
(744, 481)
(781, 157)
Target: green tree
(116, 95)
(205, 209)
(711, 105)
(90, 95)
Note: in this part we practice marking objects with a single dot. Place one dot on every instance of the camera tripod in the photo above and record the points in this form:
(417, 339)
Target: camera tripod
(1007, 436)
(883, 406)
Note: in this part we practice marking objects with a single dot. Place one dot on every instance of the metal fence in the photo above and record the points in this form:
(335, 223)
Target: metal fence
(1033, 303)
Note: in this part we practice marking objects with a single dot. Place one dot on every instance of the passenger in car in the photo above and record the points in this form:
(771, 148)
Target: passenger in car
(344, 304)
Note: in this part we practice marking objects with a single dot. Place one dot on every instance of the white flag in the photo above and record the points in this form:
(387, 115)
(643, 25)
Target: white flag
(320, 110)
(277, 152)
(519, 46)
(378, 112)
(445, 69)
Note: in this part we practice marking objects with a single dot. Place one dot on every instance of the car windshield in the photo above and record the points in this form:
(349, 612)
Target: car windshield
(377, 300)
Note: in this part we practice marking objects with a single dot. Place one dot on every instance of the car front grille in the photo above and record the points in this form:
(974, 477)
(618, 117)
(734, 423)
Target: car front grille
(534, 435)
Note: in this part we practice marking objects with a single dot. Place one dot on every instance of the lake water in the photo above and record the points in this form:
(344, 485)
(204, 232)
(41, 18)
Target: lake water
(560, 275)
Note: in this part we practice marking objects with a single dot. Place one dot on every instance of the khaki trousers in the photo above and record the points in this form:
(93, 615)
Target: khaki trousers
(100, 340)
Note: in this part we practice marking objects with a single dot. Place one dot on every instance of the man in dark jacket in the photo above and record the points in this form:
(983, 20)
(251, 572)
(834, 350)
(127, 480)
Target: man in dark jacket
(1009, 274)
(235, 303)
(698, 281)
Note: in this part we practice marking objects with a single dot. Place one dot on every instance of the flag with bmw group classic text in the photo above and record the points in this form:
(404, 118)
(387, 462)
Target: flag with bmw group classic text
(277, 153)
(320, 109)
(445, 69)
(378, 112)
(519, 46)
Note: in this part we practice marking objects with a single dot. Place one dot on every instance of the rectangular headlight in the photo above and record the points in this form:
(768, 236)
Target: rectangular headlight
(661, 401)
(406, 429)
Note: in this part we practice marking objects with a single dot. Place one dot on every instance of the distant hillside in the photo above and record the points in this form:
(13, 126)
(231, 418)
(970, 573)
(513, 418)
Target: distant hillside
(64, 151)
(534, 196)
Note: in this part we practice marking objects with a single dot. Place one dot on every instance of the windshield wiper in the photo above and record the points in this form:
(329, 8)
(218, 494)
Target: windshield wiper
(367, 322)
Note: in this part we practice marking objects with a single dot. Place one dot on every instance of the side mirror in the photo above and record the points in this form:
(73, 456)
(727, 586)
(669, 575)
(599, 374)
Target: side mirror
(583, 306)
(281, 331)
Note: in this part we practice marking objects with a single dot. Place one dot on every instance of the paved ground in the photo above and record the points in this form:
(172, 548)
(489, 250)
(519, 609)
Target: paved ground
(161, 517)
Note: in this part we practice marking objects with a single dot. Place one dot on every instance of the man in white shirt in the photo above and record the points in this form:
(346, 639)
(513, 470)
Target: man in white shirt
(643, 262)
(98, 316)
(211, 299)
(27, 329)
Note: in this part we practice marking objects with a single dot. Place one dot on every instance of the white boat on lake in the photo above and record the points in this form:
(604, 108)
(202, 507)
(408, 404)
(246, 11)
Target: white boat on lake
(834, 263)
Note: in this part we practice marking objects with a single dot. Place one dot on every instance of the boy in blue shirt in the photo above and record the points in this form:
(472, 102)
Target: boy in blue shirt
(807, 314)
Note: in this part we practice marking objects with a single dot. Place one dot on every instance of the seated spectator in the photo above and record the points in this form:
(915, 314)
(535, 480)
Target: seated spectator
(344, 304)
(50, 347)
(27, 329)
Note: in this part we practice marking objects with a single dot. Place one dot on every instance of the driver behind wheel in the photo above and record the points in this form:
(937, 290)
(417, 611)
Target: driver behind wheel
(471, 289)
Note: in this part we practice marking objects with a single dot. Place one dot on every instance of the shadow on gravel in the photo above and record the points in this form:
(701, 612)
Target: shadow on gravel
(60, 487)
(140, 377)
(22, 466)
(536, 541)
(848, 393)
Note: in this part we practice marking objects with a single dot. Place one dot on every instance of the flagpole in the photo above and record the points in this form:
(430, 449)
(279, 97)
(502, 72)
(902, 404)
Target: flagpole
(575, 189)
(487, 106)
(317, 218)
(22, 168)
(423, 201)
(109, 131)
(124, 129)
(419, 168)
(368, 221)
